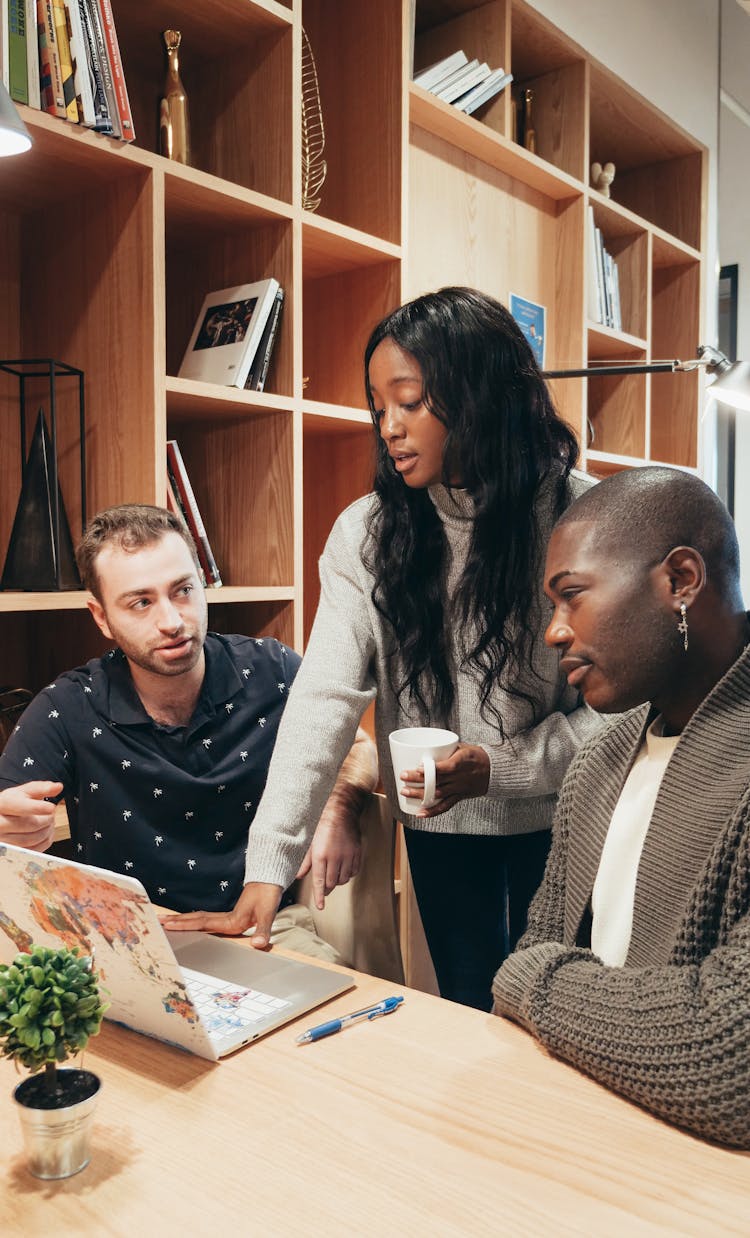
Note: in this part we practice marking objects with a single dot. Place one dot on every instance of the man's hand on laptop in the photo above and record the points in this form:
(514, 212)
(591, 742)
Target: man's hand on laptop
(27, 816)
(256, 907)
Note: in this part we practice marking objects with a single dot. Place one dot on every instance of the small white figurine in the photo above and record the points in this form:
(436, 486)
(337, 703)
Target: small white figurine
(602, 177)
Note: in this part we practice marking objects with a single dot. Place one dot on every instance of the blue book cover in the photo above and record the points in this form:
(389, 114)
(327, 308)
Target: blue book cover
(531, 318)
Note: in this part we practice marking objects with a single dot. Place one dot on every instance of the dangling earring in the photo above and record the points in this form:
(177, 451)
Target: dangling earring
(682, 626)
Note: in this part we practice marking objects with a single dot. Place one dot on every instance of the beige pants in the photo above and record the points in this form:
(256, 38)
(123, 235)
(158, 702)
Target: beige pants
(294, 929)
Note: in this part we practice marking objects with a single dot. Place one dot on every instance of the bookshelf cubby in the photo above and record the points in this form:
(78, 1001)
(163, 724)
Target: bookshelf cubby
(107, 250)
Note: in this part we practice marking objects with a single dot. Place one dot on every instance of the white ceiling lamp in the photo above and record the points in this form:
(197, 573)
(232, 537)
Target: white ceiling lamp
(14, 136)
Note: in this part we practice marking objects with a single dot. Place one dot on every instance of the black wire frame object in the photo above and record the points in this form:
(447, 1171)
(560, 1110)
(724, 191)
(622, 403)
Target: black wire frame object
(25, 369)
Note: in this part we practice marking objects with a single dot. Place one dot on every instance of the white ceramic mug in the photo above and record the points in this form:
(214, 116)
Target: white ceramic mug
(415, 746)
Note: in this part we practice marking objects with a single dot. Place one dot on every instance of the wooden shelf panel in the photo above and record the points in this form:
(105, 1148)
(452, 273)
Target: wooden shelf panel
(327, 418)
(613, 218)
(338, 313)
(65, 161)
(667, 251)
(605, 343)
(603, 462)
(343, 455)
(203, 27)
(20, 603)
(470, 135)
(188, 400)
(194, 199)
(329, 248)
(250, 593)
(12, 601)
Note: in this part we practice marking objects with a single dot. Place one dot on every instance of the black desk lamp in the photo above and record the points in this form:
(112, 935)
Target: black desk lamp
(731, 383)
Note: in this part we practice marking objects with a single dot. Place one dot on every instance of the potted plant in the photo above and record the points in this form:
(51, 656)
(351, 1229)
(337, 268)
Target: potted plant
(49, 1007)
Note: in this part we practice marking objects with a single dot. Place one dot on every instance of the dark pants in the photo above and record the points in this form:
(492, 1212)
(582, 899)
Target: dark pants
(473, 895)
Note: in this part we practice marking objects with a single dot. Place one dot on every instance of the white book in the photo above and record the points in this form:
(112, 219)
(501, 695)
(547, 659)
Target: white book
(32, 55)
(454, 77)
(600, 276)
(485, 91)
(475, 78)
(608, 288)
(227, 332)
(434, 73)
(4, 58)
(79, 54)
(616, 297)
(593, 307)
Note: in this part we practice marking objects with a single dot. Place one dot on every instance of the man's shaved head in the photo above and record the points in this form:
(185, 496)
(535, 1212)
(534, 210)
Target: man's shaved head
(644, 513)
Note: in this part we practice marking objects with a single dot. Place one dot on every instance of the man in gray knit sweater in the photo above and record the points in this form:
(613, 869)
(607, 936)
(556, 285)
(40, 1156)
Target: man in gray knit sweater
(635, 966)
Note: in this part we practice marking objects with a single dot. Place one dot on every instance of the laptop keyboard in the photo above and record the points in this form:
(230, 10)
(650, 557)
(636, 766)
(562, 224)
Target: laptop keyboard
(227, 1008)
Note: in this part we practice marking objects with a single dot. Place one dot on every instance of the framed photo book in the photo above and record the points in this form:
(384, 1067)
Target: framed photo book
(227, 333)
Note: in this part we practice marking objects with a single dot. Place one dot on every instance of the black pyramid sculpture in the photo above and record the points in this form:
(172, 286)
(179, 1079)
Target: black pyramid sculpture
(33, 557)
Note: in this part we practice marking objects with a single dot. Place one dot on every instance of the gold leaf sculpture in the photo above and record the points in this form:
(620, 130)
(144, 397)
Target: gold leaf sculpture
(314, 166)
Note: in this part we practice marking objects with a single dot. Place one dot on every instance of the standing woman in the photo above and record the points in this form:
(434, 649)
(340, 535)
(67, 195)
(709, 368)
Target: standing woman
(431, 602)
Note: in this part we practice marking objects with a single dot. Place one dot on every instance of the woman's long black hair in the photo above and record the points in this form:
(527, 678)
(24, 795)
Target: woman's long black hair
(504, 441)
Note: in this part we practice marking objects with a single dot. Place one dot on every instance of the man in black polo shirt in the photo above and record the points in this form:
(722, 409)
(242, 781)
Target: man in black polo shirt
(161, 748)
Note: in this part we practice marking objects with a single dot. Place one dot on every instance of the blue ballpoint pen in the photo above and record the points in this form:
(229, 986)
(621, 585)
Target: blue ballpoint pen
(387, 1006)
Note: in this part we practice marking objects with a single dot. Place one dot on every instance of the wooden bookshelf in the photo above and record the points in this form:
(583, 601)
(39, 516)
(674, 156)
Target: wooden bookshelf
(107, 250)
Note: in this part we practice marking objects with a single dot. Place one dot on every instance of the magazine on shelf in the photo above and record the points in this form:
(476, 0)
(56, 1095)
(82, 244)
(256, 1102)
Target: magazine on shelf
(100, 57)
(53, 99)
(32, 54)
(66, 63)
(14, 34)
(227, 333)
(256, 379)
(102, 120)
(446, 83)
(485, 91)
(174, 505)
(464, 83)
(178, 475)
(428, 78)
(84, 83)
(118, 73)
(531, 318)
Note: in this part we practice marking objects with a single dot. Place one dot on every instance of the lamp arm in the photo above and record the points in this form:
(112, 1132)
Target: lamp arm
(592, 371)
(714, 361)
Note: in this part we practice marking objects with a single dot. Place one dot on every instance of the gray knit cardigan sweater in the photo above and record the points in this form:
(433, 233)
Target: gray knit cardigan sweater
(671, 1028)
(346, 666)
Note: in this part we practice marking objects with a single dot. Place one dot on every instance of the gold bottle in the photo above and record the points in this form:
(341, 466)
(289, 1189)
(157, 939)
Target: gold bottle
(174, 118)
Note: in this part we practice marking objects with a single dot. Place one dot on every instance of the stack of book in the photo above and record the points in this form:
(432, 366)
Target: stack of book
(603, 280)
(181, 500)
(465, 83)
(234, 335)
(63, 57)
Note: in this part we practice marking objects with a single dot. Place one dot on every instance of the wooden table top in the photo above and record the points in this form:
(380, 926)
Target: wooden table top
(436, 1120)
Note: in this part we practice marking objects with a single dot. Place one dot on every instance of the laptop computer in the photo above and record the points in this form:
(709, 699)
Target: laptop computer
(209, 995)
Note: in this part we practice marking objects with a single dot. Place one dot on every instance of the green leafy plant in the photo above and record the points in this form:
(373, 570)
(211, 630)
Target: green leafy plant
(50, 1006)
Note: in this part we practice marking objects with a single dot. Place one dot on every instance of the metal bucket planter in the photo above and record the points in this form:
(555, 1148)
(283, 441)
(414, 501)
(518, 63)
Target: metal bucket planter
(57, 1139)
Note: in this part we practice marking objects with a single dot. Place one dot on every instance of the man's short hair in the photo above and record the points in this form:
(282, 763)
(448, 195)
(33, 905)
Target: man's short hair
(131, 526)
(645, 512)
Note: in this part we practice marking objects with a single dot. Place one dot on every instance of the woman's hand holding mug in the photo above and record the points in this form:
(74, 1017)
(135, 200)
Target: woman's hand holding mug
(434, 771)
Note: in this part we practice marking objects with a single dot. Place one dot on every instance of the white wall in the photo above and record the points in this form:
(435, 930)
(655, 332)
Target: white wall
(667, 50)
(734, 234)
